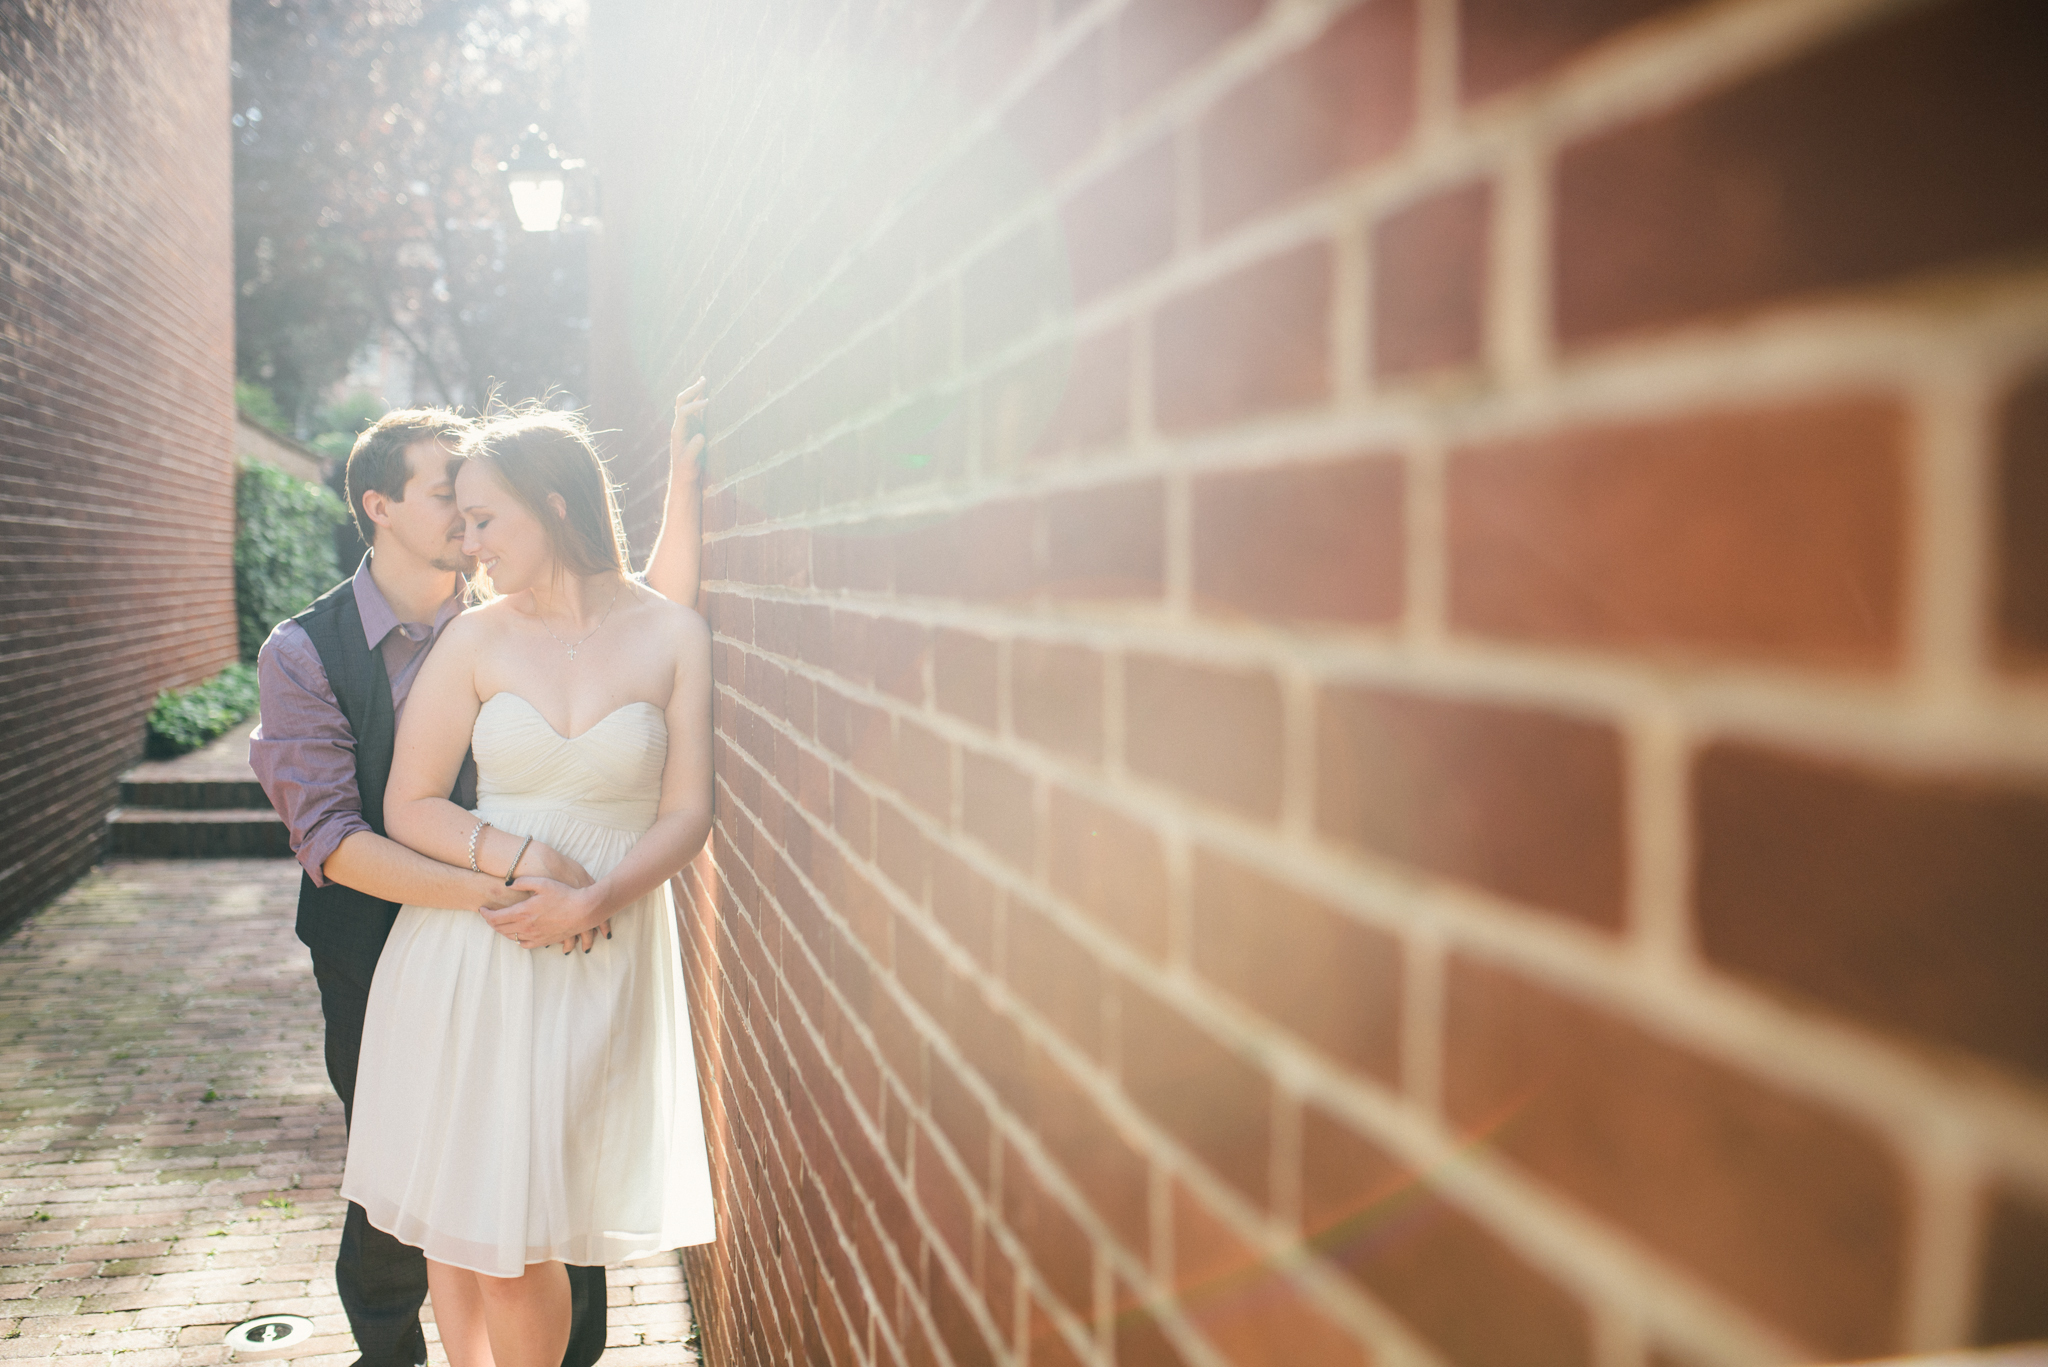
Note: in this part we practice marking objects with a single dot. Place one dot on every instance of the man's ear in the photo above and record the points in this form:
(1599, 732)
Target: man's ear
(561, 508)
(377, 507)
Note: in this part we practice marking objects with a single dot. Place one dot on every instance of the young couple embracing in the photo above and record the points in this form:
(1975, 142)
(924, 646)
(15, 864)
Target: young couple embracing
(492, 747)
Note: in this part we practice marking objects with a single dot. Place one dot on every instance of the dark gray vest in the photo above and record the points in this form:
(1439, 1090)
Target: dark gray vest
(339, 923)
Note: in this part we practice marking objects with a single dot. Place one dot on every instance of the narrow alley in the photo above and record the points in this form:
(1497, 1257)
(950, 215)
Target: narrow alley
(169, 1147)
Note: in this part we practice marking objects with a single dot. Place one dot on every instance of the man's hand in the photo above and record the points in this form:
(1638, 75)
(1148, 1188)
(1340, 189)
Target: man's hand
(553, 914)
(546, 862)
(686, 437)
(497, 896)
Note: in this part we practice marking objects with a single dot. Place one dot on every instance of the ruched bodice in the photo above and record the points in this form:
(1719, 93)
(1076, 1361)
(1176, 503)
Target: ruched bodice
(516, 1106)
(609, 774)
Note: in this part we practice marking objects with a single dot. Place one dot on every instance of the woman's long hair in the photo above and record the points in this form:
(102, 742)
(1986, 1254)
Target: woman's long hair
(538, 451)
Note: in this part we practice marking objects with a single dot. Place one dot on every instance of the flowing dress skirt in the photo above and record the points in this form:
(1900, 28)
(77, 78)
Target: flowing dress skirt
(516, 1106)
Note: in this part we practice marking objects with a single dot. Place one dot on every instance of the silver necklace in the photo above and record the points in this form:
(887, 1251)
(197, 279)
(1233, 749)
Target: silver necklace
(572, 648)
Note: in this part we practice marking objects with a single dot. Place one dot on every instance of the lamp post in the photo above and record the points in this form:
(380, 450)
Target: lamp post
(533, 173)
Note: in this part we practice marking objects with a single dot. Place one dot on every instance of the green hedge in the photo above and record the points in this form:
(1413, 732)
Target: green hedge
(186, 718)
(284, 559)
(284, 548)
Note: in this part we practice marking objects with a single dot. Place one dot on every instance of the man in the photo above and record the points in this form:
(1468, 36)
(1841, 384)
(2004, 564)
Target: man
(334, 682)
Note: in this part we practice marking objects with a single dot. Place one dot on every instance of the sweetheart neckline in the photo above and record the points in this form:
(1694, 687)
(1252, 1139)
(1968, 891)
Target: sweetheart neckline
(508, 693)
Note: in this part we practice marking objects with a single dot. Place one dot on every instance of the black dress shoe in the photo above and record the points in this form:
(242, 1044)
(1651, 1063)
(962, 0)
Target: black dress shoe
(419, 1353)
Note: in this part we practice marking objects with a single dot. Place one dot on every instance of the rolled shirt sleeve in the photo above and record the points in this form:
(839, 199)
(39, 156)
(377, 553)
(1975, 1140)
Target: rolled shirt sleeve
(304, 752)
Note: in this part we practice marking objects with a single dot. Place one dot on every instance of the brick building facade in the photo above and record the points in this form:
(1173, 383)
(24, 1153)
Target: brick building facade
(116, 405)
(1379, 670)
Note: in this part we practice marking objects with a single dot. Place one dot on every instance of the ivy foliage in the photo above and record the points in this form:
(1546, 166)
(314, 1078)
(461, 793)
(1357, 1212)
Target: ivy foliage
(187, 718)
(284, 559)
(284, 549)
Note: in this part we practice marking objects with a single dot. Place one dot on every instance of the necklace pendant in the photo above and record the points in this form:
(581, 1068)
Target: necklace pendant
(572, 654)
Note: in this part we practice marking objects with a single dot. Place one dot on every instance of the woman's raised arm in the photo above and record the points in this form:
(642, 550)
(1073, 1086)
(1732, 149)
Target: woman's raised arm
(673, 569)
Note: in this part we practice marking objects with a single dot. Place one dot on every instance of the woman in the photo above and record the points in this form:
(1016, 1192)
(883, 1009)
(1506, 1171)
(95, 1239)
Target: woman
(523, 1105)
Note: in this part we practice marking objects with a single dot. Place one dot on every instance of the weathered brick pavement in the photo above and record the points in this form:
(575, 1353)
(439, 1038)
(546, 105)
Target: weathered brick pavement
(169, 1148)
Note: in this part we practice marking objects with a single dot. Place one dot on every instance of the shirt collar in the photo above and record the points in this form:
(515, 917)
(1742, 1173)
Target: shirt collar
(380, 621)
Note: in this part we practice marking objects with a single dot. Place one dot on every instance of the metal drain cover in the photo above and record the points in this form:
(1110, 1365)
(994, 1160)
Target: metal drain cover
(269, 1336)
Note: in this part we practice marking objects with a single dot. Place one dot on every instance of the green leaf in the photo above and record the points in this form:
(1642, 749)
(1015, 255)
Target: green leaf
(185, 719)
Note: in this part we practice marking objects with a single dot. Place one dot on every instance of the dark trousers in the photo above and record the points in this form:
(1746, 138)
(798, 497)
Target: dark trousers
(382, 1281)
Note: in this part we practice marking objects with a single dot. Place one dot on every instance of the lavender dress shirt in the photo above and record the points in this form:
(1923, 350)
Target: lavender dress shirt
(303, 751)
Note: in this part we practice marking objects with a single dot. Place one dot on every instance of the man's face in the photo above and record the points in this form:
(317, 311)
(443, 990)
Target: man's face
(425, 522)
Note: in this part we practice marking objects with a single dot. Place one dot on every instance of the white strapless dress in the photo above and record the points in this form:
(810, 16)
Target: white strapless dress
(517, 1106)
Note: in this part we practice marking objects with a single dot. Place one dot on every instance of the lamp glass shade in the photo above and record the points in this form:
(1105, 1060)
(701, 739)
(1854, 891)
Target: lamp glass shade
(537, 199)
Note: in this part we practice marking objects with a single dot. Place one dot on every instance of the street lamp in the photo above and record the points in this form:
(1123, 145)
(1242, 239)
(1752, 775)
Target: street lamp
(533, 173)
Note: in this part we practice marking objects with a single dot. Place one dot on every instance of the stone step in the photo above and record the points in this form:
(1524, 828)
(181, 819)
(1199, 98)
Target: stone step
(173, 833)
(192, 794)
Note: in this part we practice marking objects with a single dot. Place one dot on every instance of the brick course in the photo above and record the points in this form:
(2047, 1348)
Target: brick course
(1785, 1206)
(1315, 541)
(116, 408)
(2022, 532)
(1429, 269)
(1378, 670)
(1774, 533)
(1436, 1266)
(1910, 900)
(1811, 175)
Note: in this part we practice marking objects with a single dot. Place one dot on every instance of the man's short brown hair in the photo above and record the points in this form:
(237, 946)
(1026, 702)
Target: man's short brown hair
(377, 461)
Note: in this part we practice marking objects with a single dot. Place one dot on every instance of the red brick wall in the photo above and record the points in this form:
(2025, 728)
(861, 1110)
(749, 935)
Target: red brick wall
(1379, 668)
(116, 405)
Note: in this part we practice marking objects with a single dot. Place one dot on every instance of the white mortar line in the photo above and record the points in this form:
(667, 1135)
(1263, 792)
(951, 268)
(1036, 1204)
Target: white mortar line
(1350, 316)
(1422, 1017)
(1179, 547)
(1437, 112)
(1425, 570)
(1296, 821)
(1518, 323)
(1941, 1249)
(1948, 591)
(1663, 63)
(1657, 757)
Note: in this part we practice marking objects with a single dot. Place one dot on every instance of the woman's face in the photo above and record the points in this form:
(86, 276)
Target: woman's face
(504, 536)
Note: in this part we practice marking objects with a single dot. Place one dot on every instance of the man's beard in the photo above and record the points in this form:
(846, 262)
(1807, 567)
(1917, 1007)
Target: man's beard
(455, 562)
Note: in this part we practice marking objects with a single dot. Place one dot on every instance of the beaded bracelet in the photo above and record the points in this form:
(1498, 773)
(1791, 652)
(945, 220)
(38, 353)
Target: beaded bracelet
(474, 833)
(515, 860)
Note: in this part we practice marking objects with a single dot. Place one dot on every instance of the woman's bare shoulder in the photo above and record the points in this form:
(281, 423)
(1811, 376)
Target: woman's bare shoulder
(675, 621)
(477, 624)
(477, 631)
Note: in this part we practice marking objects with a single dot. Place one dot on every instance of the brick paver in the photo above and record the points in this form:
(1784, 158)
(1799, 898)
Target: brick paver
(169, 1148)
